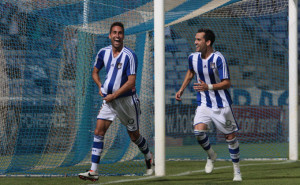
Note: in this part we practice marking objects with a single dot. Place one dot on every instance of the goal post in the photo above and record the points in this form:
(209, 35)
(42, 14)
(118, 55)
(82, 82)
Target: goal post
(293, 79)
(159, 87)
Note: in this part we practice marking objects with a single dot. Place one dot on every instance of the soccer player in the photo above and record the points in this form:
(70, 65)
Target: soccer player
(214, 101)
(119, 98)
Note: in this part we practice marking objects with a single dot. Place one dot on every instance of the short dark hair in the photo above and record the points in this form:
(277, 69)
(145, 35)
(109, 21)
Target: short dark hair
(209, 35)
(116, 24)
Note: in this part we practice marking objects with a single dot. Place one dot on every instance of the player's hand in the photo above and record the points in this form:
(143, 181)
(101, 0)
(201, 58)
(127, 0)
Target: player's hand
(100, 92)
(201, 86)
(109, 98)
(178, 95)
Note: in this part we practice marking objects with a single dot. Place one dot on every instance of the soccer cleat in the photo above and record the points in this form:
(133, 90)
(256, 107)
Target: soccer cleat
(150, 166)
(89, 175)
(210, 163)
(237, 176)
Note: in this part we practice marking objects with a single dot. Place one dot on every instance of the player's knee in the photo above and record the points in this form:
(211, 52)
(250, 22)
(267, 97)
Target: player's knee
(200, 133)
(134, 136)
(230, 136)
(98, 132)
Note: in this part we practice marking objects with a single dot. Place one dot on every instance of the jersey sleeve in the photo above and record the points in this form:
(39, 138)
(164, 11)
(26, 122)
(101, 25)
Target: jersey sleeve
(191, 63)
(99, 63)
(223, 68)
(132, 64)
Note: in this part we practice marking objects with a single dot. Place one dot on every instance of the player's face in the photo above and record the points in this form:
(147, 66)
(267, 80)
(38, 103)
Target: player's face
(200, 42)
(116, 37)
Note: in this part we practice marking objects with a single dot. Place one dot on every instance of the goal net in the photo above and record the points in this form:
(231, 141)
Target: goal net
(253, 37)
(49, 101)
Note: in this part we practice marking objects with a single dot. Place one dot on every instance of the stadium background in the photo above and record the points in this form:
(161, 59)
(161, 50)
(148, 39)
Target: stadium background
(49, 102)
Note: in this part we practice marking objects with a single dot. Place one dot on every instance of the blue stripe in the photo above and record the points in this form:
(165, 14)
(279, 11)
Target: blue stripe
(125, 68)
(207, 148)
(201, 76)
(99, 137)
(109, 62)
(114, 75)
(95, 159)
(199, 98)
(234, 151)
(213, 81)
(100, 63)
(228, 97)
(136, 112)
(235, 160)
(228, 73)
(142, 143)
(237, 125)
(98, 145)
(203, 140)
(220, 68)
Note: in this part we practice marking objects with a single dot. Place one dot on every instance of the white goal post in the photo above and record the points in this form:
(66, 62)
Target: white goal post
(159, 87)
(293, 80)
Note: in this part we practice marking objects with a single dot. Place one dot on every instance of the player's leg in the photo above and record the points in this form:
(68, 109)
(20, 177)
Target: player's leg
(128, 111)
(203, 140)
(142, 144)
(104, 120)
(225, 122)
(201, 121)
(234, 150)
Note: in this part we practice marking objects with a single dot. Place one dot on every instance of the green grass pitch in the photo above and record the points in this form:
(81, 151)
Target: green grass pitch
(188, 172)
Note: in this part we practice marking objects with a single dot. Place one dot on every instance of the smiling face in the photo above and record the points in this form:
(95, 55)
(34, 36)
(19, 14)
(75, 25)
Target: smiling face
(200, 43)
(116, 37)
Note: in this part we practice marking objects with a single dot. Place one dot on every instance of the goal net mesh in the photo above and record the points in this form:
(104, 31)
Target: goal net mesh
(49, 101)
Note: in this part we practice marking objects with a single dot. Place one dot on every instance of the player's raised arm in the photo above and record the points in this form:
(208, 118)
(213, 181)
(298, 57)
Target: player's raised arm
(188, 77)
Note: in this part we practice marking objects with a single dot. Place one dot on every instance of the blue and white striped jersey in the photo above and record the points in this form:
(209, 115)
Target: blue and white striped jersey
(117, 69)
(211, 70)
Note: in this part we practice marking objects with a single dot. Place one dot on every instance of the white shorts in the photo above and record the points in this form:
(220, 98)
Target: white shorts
(127, 109)
(222, 118)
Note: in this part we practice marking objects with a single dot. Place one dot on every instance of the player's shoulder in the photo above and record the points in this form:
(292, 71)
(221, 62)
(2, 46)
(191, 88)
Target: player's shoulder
(193, 54)
(107, 48)
(129, 51)
(219, 55)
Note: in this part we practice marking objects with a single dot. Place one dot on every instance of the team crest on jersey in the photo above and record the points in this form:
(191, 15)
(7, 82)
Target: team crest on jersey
(131, 121)
(212, 65)
(119, 65)
(228, 124)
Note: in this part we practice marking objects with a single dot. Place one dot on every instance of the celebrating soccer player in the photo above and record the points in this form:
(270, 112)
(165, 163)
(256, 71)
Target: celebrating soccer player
(214, 101)
(119, 98)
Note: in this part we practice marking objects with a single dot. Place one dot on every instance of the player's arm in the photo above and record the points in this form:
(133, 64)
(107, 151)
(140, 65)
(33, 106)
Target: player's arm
(224, 77)
(202, 86)
(96, 78)
(224, 84)
(188, 77)
(128, 86)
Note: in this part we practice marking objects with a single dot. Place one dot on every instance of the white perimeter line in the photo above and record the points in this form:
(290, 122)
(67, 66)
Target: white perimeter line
(188, 172)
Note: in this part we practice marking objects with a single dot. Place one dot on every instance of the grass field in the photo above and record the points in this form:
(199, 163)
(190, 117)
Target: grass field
(188, 172)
